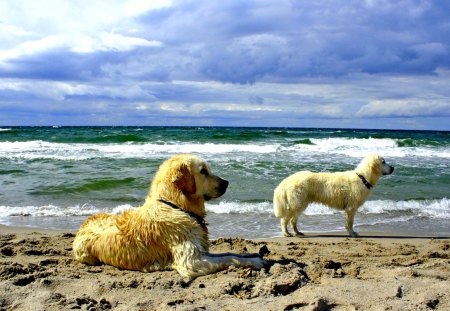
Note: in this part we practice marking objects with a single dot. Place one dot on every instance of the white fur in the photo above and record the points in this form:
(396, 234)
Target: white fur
(341, 190)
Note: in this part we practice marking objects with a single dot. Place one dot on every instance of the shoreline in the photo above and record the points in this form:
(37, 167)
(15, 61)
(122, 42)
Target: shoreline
(308, 235)
(317, 272)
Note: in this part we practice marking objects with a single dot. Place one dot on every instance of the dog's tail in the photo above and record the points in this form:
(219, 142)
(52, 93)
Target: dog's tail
(279, 201)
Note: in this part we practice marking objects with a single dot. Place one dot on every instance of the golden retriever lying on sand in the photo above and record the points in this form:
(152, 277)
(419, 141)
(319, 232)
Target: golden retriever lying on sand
(341, 190)
(168, 231)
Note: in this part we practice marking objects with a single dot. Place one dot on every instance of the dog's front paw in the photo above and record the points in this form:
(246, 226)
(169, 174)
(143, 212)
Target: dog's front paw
(264, 250)
(354, 234)
(259, 263)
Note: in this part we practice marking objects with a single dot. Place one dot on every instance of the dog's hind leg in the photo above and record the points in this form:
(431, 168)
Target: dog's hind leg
(83, 255)
(293, 223)
(350, 215)
(284, 221)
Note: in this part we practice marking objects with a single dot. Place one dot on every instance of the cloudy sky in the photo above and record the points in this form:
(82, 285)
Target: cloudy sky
(297, 63)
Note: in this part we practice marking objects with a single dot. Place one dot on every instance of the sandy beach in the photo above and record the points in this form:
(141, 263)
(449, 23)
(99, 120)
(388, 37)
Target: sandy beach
(317, 272)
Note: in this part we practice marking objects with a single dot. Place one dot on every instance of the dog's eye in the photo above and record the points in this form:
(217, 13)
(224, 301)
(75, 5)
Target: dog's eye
(383, 161)
(204, 171)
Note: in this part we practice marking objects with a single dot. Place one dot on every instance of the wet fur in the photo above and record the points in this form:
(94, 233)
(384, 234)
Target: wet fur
(340, 190)
(156, 236)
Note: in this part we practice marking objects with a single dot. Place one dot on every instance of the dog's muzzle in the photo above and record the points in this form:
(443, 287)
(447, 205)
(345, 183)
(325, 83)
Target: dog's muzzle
(387, 170)
(222, 186)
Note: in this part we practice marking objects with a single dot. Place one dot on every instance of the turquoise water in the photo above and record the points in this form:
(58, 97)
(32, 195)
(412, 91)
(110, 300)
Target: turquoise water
(54, 177)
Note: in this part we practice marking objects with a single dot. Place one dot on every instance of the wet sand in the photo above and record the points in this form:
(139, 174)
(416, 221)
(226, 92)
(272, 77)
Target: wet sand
(317, 272)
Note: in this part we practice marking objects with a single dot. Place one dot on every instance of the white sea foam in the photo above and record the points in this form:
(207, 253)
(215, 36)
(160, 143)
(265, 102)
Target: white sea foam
(428, 208)
(413, 208)
(48, 211)
(226, 207)
(256, 220)
(141, 150)
(61, 151)
(58, 211)
(121, 208)
(359, 147)
(350, 147)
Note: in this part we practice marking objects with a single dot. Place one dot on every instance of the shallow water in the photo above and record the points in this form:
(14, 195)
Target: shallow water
(56, 177)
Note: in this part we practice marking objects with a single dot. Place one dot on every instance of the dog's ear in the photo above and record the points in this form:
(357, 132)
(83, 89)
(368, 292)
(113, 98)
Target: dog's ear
(185, 180)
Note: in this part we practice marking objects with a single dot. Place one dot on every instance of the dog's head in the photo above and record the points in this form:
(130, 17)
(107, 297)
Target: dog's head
(195, 179)
(187, 177)
(373, 166)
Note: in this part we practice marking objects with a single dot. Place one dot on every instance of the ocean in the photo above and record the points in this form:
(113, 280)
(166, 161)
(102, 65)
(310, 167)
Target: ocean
(55, 177)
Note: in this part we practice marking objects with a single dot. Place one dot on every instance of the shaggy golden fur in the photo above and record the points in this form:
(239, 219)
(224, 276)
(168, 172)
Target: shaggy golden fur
(341, 190)
(168, 231)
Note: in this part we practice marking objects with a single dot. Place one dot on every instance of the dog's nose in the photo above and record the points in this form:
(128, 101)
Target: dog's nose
(223, 185)
(389, 170)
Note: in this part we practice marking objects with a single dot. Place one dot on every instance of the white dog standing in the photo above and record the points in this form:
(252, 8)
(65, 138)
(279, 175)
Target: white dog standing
(341, 190)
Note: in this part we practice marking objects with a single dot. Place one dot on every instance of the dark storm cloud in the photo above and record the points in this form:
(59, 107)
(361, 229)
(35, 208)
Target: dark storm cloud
(245, 42)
